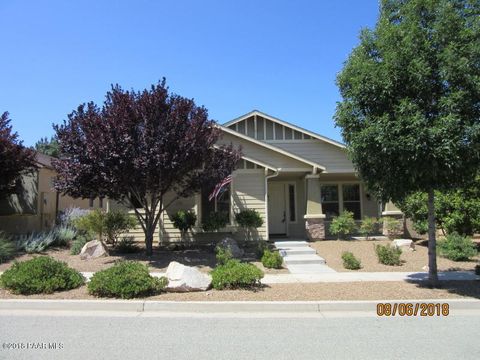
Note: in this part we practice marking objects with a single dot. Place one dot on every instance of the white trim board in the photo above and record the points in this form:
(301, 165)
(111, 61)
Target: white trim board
(287, 124)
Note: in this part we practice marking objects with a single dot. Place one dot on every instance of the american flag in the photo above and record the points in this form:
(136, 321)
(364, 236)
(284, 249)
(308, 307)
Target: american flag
(219, 187)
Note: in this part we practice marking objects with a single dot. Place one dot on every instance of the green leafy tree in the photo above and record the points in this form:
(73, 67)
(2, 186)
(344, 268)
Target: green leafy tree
(456, 210)
(411, 101)
(48, 147)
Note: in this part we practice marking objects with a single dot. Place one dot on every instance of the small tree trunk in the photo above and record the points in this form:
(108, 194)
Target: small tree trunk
(432, 241)
(149, 232)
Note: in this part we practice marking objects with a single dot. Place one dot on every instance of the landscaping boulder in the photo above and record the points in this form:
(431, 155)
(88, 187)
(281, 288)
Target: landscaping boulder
(93, 249)
(229, 244)
(405, 243)
(182, 278)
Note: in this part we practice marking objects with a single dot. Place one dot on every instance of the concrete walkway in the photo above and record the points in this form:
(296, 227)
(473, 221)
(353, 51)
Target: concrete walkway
(351, 276)
(367, 276)
(300, 258)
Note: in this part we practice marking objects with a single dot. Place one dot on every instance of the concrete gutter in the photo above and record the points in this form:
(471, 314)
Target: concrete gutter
(202, 307)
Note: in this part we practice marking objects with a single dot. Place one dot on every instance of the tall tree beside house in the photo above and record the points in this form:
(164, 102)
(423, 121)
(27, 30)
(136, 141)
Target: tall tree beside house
(48, 147)
(138, 147)
(15, 159)
(410, 113)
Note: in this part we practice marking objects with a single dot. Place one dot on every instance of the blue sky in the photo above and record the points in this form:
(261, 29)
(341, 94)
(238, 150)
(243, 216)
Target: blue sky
(280, 57)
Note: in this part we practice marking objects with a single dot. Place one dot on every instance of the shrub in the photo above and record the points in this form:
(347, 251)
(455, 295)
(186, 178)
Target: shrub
(235, 275)
(368, 226)
(184, 220)
(392, 226)
(272, 259)
(215, 221)
(222, 255)
(126, 280)
(69, 215)
(343, 225)
(249, 219)
(350, 262)
(64, 234)
(105, 224)
(388, 255)
(36, 242)
(456, 247)
(127, 245)
(40, 275)
(7, 247)
(78, 243)
(92, 222)
(117, 223)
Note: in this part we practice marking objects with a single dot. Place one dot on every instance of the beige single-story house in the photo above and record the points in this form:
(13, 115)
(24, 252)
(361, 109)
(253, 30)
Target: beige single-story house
(296, 179)
(35, 205)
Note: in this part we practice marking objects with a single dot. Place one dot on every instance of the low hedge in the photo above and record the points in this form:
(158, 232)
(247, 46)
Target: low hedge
(236, 275)
(125, 280)
(40, 275)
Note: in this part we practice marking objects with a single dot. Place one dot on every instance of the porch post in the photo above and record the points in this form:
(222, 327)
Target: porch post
(314, 217)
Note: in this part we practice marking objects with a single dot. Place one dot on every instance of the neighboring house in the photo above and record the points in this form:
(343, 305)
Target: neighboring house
(35, 205)
(296, 179)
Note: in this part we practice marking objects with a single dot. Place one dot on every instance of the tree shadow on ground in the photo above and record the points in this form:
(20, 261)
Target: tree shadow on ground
(468, 288)
(161, 258)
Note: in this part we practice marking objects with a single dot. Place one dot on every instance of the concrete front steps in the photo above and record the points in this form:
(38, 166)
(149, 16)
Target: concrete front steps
(300, 258)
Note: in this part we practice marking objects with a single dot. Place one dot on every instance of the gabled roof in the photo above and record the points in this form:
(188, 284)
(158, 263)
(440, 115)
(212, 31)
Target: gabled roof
(271, 147)
(285, 123)
(44, 160)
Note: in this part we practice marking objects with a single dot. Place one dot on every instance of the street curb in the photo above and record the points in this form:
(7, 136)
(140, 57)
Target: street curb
(150, 306)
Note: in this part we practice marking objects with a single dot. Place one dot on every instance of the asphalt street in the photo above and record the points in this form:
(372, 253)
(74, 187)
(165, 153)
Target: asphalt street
(112, 335)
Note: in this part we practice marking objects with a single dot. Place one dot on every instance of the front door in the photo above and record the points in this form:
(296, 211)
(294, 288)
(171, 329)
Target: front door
(277, 223)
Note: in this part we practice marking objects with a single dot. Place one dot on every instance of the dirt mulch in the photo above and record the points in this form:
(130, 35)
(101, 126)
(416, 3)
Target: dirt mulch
(298, 292)
(204, 259)
(331, 251)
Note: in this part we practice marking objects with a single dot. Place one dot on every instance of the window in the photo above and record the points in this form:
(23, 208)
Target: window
(100, 202)
(221, 204)
(341, 197)
(330, 203)
(351, 200)
(90, 202)
(292, 203)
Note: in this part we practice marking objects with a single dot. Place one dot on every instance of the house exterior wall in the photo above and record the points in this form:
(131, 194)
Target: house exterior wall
(262, 154)
(36, 210)
(332, 157)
